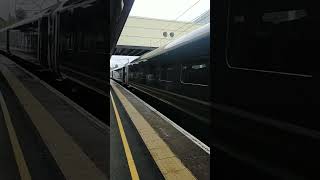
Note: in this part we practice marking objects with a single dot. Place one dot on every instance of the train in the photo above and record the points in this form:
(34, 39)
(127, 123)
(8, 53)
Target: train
(177, 73)
(70, 39)
(263, 95)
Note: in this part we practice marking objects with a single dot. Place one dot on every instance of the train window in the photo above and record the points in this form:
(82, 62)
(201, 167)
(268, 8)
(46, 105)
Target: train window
(140, 75)
(100, 45)
(273, 36)
(167, 73)
(196, 73)
(150, 77)
(69, 41)
(170, 74)
(3, 39)
(84, 41)
(163, 74)
(100, 42)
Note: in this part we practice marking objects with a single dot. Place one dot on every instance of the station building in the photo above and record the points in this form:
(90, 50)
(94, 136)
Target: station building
(141, 35)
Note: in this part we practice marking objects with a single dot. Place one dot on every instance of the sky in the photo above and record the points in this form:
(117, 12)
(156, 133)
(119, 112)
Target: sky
(170, 9)
(179, 10)
(121, 60)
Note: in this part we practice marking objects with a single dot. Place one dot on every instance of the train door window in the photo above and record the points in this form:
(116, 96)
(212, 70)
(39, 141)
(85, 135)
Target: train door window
(140, 75)
(84, 41)
(69, 39)
(167, 73)
(150, 72)
(150, 77)
(157, 72)
(195, 73)
(163, 74)
(100, 42)
(171, 73)
(273, 36)
(3, 39)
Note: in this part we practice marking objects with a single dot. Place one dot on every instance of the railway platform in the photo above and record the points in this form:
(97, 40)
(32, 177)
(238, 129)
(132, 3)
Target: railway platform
(45, 135)
(147, 145)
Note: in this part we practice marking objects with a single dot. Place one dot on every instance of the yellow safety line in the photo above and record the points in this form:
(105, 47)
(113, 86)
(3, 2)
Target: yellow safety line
(22, 165)
(168, 163)
(132, 166)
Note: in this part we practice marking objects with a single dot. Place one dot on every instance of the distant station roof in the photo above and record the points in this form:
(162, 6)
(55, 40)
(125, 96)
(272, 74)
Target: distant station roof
(141, 35)
(132, 50)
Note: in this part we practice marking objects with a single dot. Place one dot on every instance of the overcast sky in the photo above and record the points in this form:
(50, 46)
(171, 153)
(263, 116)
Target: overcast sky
(121, 60)
(170, 9)
(165, 9)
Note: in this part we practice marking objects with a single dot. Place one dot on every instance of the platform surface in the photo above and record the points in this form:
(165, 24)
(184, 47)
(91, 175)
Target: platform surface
(169, 150)
(57, 138)
(45, 135)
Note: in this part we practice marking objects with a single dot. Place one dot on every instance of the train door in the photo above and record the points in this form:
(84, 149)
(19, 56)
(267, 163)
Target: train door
(50, 41)
(53, 43)
(56, 43)
(126, 71)
(8, 40)
(43, 42)
(124, 74)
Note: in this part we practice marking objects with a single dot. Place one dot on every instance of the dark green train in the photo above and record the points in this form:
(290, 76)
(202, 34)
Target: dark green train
(71, 39)
(177, 73)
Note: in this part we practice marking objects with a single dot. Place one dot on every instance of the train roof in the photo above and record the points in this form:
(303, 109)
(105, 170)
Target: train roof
(185, 39)
(71, 4)
(23, 22)
(43, 13)
(60, 6)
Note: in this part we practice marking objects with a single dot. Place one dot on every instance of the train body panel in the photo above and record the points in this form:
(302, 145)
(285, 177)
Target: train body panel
(24, 42)
(263, 93)
(81, 48)
(66, 40)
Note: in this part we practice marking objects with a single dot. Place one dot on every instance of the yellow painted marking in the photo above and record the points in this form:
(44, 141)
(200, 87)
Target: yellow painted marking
(72, 161)
(168, 163)
(132, 166)
(22, 165)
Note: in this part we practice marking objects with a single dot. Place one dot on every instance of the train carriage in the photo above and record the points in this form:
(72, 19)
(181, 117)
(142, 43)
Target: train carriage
(70, 39)
(263, 96)
(177, 73)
